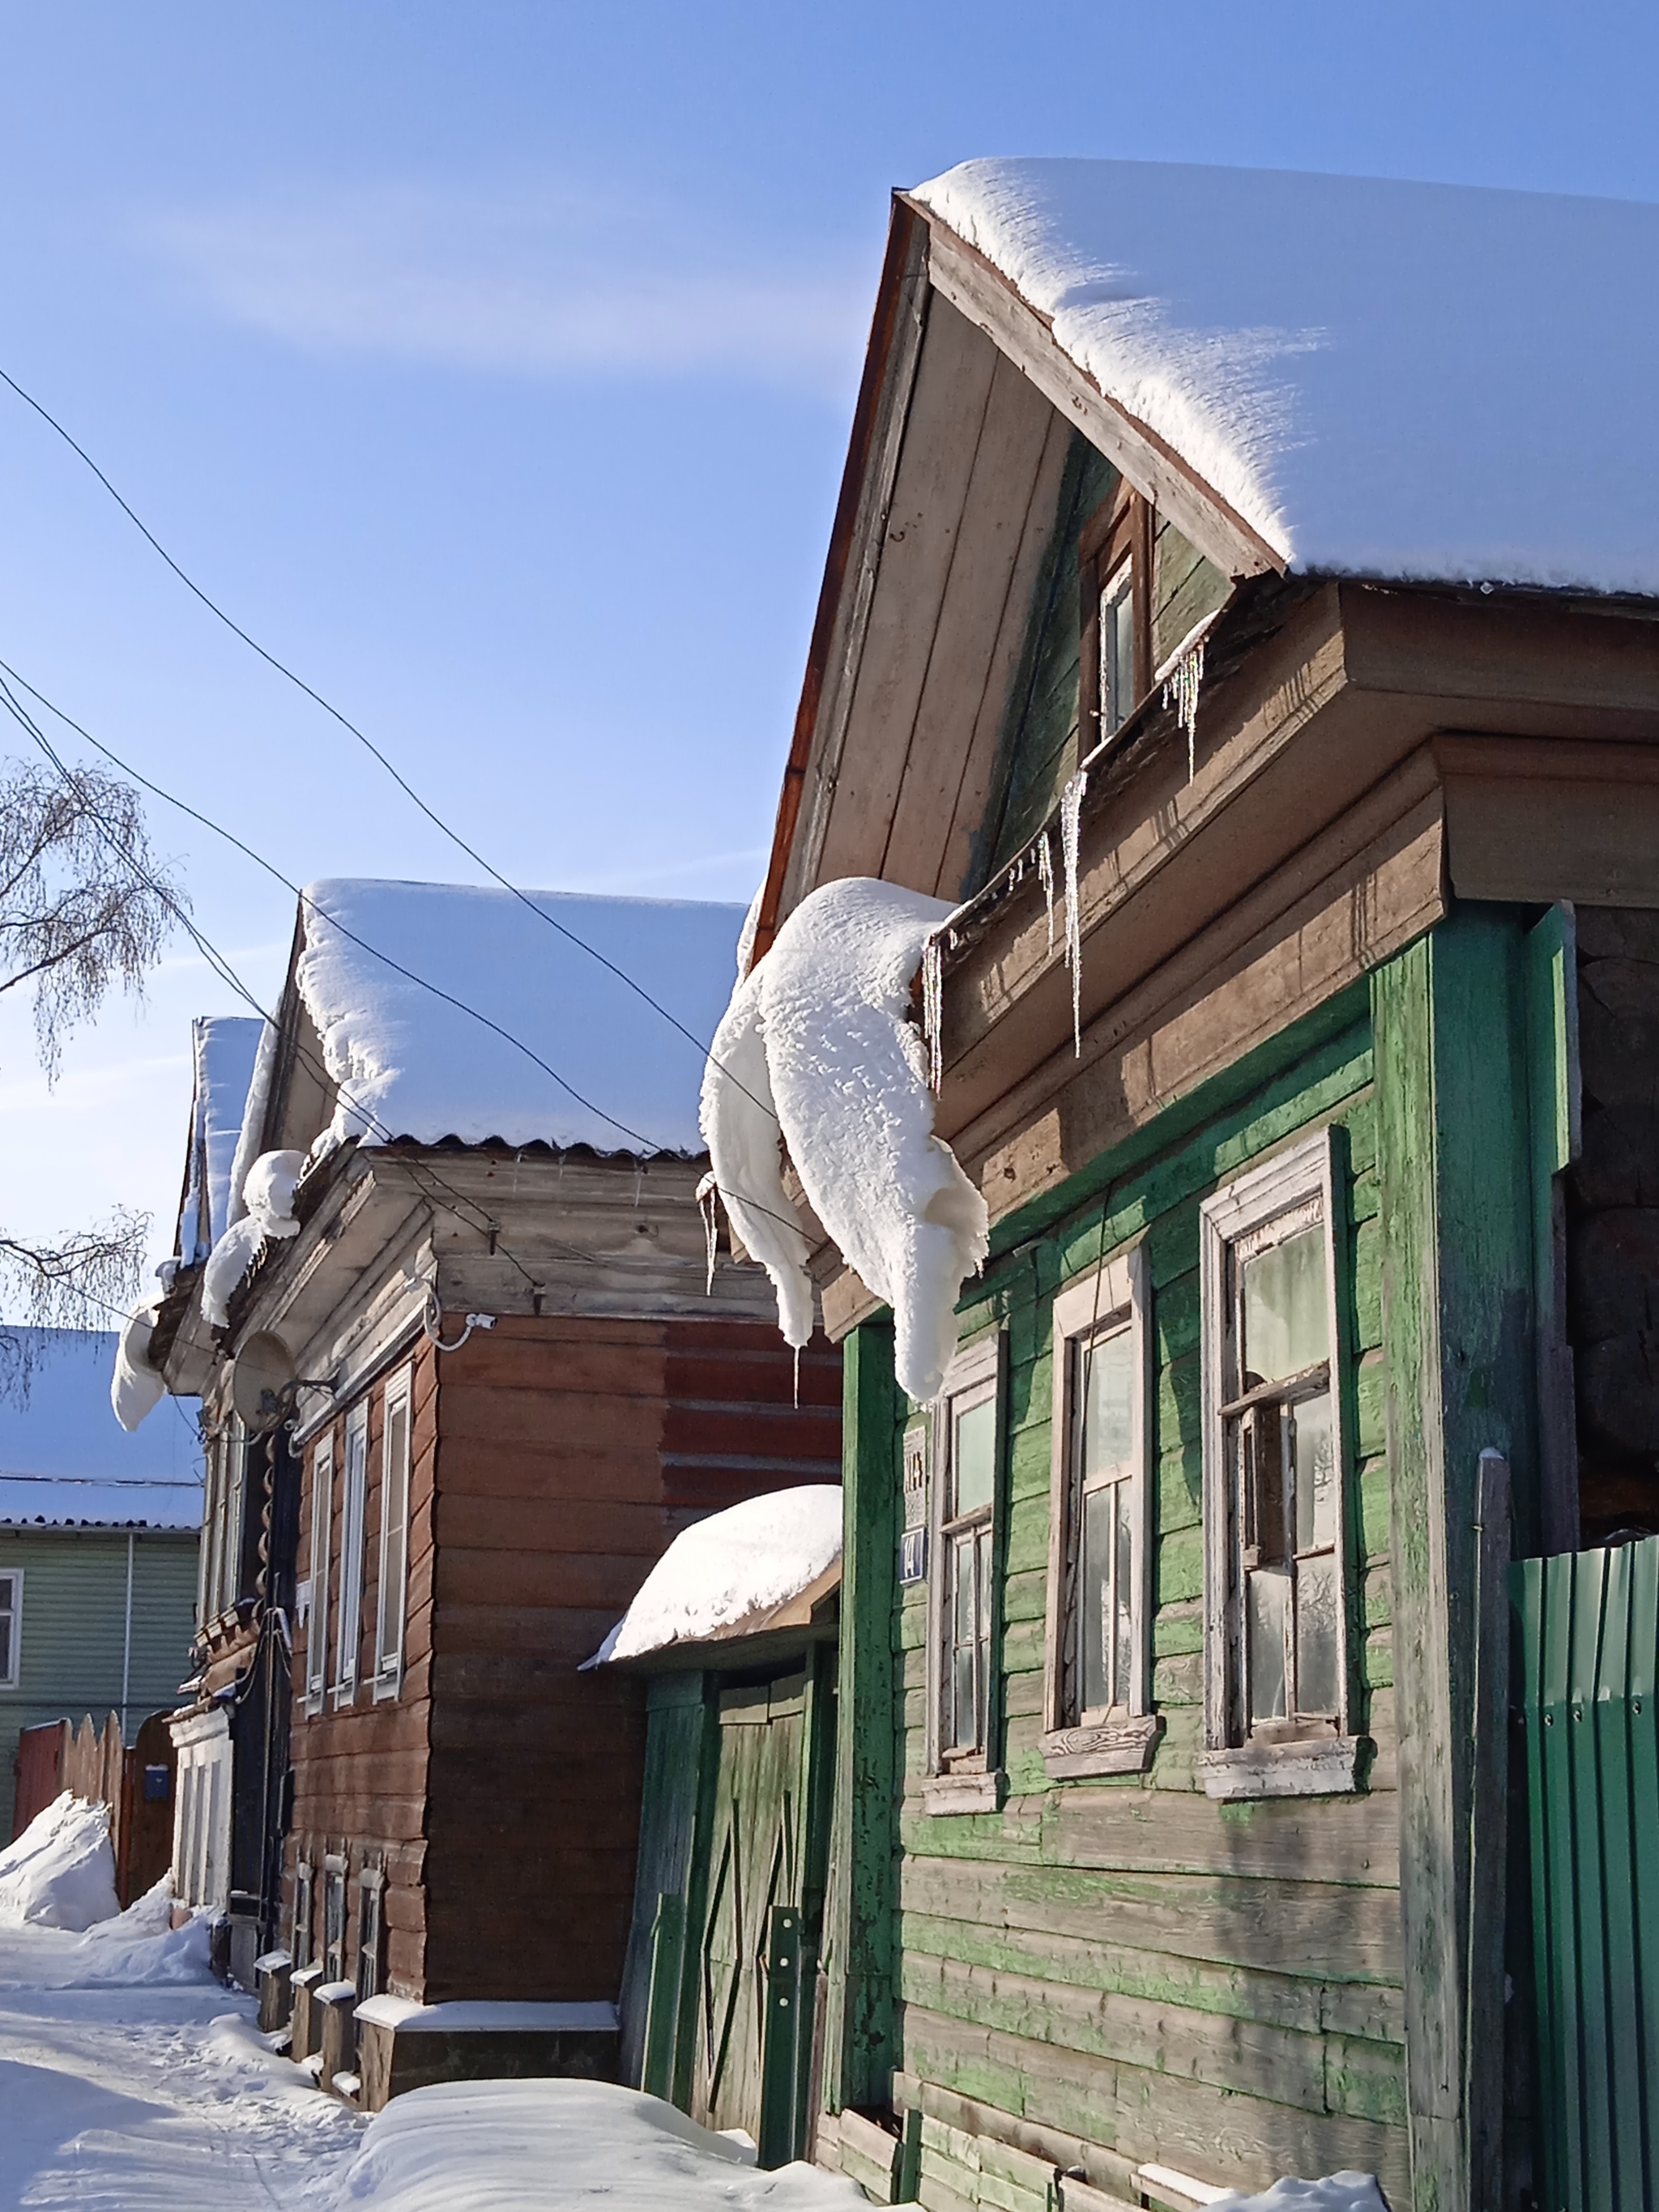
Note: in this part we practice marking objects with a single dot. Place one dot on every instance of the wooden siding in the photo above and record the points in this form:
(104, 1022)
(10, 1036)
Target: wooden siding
(570, 1453)
(73, 1623)
(553, 1460)
(1216, 1986)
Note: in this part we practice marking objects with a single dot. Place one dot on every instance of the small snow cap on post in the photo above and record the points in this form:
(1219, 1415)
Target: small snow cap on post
(818, 1047)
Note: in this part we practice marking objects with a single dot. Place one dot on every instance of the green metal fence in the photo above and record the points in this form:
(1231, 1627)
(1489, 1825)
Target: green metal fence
(1587, 1626)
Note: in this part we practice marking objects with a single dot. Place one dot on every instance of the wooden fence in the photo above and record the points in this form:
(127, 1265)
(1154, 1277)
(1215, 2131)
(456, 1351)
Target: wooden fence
(136, 1783)
(1587, 1627)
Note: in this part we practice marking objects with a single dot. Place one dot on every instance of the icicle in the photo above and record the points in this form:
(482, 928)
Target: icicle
(798, 1378)
(933, 1009)
(1045, 863)
(1071, 811)
(1181, 689)
(707, 1191)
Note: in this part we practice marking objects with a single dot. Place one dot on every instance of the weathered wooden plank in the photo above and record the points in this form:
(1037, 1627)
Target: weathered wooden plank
(1315, 1930)
(1231, 2138)
(1449, 1021)
(860, 2029)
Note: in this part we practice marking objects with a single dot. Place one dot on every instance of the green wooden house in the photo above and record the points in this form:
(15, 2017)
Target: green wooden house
(1243, 619)
(98, 1550)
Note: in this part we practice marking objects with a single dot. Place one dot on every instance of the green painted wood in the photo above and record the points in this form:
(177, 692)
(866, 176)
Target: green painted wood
(859, 2047)
(1039, 748)
(1589, 1631)
(906, 2166)
(1454, 1163)
(668, 1811)
(778, 2137)
(1554, 1101)
(663, 2000)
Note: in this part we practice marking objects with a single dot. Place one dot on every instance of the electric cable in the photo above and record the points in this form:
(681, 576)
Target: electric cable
(347, 724)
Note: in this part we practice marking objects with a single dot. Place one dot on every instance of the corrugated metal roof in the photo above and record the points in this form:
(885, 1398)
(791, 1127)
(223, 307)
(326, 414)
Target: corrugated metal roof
(65, 1462)
(44, 1501)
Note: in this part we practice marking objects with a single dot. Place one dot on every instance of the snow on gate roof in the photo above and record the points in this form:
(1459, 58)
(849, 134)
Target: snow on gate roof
(428, 1070)
(1398, 380)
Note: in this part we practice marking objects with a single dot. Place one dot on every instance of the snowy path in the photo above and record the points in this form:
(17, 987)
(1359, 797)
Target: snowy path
(128, 2094)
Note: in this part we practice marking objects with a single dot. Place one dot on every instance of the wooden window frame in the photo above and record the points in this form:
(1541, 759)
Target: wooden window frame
(961, 1781)
(1120, 530)
(349, 1595)
(1113, 1295)
(12, 1680)
(370, 1976)
(335, 1939)
(392, 1592)
(322, 1547)
(1235, 1763)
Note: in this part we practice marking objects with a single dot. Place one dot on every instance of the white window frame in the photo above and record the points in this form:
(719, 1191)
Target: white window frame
(207, 1603)
(1235, 1765)
(1115, 1295)
(349, 1604)
(391, 1596)
(322, 1545)
(12, 1607)
(959, 1781)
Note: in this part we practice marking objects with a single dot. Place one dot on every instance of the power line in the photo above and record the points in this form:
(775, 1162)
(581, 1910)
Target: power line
(8, 699)
(216, 962)
(345, 723)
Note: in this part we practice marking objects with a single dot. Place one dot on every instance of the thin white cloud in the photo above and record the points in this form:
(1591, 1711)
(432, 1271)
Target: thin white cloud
(532, 279)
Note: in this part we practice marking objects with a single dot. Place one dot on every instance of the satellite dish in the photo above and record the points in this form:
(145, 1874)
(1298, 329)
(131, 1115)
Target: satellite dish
(262, 1379)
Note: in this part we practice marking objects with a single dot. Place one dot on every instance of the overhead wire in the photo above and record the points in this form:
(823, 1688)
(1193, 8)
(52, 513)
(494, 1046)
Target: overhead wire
(171, 799)
(364, 739)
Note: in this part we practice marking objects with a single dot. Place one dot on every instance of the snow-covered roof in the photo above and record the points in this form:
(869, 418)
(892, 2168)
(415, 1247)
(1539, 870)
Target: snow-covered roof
(222, 1048)
(1399, 380)
(65, 1463)
(410, 1064)
(732, 1572)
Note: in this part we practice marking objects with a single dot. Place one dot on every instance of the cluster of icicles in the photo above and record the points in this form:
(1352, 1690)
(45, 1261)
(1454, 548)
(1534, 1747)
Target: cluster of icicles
(1180, 690)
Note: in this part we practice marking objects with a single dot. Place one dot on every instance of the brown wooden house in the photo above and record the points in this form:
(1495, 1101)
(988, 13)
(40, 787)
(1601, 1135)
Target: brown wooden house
(1244, 622)
(475, 1365)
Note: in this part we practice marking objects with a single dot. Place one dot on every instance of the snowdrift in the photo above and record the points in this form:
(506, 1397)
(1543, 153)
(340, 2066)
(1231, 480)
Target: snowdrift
(60, 1872)
(557, 2146)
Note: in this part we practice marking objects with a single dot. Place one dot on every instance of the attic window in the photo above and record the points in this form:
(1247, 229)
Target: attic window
(1115, 577)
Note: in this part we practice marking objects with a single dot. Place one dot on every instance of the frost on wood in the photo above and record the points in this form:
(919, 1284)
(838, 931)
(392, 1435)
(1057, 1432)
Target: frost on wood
(135, 1387)
(818, 1047)
(749, 1559)
(1352, 365)
(267, 1196)
(1071, 819)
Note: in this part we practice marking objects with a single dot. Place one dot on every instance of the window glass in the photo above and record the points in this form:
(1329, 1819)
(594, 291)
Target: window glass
(7, 1627)
(1117, 650)
(975, 1456)
(1108, 1403)
(1282, 1294)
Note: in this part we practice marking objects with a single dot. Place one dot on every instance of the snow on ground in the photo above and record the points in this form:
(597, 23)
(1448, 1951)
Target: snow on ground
(567, 2147)
(846, 1071)
(1356, 365)
(60, 1872)
(132, 2082)
(751, 1557)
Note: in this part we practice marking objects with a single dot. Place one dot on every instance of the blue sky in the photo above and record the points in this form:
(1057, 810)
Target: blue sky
(492, 364)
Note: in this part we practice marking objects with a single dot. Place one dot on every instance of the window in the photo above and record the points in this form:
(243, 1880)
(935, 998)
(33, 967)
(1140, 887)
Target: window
(1277, 1607)
(348, 1633)
(334, 1917)
(967, 1425)
(322, 1536)
(300, 1940)
(394, 1539)
(1097, 1715)
(1114, 569)
(371, 1933)
(11, 1626)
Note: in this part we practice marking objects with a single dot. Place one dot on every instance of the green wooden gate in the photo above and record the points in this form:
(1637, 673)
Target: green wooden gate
(1588, 1640)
